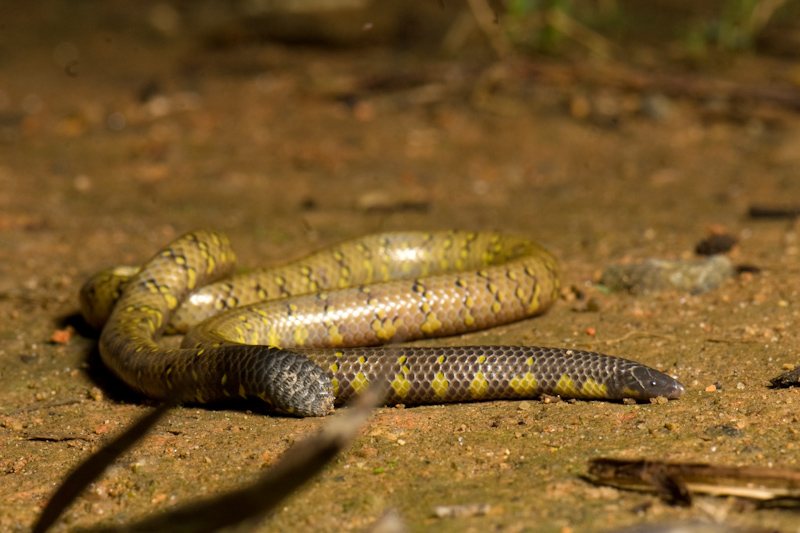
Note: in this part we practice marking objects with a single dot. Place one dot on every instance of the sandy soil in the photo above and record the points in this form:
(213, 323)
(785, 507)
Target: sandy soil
(104, 160)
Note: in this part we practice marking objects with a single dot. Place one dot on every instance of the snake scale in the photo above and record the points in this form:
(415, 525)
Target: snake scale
(307, 334)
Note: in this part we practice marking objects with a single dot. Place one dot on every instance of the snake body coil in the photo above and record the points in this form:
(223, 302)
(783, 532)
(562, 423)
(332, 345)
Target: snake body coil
(316, 342)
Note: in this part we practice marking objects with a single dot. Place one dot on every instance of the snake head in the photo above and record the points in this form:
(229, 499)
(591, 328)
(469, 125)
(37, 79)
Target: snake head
(645, 383)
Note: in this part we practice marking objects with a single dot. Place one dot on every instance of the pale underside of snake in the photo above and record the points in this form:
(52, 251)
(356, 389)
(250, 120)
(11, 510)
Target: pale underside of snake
(309, 333)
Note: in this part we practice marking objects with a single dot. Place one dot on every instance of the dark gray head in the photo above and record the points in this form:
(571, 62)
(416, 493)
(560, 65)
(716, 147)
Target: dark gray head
(645, 383)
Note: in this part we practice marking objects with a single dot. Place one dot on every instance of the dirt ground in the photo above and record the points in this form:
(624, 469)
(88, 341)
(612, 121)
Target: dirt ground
(114, 139)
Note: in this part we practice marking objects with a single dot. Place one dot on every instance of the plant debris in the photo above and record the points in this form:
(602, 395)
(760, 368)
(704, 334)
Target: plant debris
(676, 483)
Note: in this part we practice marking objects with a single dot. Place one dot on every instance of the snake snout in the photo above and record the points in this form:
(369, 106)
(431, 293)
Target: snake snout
(675, 390)
(652, 384)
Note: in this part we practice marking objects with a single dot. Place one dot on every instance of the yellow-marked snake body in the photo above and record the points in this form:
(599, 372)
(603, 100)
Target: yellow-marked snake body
(300, 335)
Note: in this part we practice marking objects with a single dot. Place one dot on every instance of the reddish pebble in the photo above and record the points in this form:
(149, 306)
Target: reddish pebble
(591, 331)
(62, 336)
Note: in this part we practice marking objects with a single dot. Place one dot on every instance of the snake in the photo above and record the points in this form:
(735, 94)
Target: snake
(313, 333)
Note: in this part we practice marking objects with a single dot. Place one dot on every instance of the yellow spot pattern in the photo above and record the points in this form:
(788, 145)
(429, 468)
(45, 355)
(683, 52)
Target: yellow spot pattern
(385, 329)
(369, 271)
(431, 324)
(360, 383)
(566, 386)
(469, 319)
(533, 305)
(273, 339)
(520, 294)
(524, 385)
(401, 385)
(478, 386)
(192, 281)
(300, 335)
(440, 385)
(211, 263)
(594, 389)
(334, 335)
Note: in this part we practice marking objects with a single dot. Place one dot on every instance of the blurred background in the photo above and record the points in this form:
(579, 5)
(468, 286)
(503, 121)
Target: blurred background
(610, 131)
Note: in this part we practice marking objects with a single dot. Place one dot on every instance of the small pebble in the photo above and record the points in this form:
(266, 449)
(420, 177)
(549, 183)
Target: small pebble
(653, 275)
(62, 336)
(460, 511)
(717, 243)
(96, 394)
(12, 423)
(657, 107)
(790, 378)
